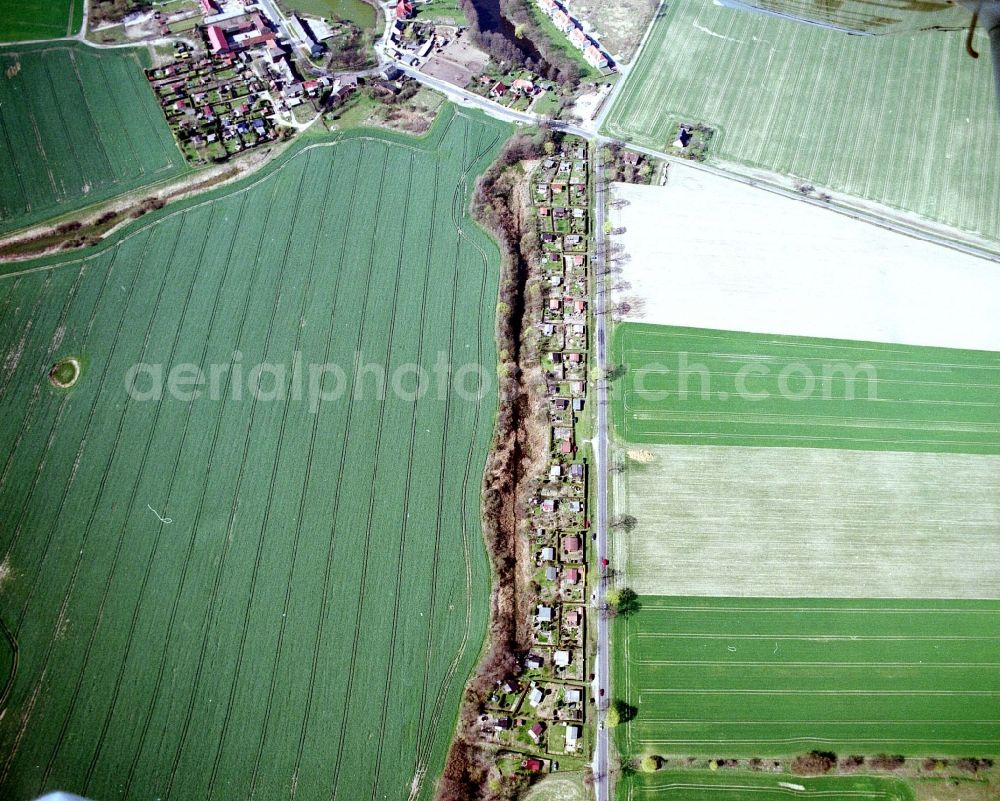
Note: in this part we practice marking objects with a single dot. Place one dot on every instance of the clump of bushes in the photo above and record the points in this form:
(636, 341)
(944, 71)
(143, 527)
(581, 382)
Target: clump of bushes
(973, 765)
(814, 763)
(887, 761)
(650, 763)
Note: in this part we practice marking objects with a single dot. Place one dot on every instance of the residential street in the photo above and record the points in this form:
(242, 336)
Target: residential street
(602, 784)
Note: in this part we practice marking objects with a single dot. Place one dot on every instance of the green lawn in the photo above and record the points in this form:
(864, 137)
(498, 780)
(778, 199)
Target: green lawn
(700, 386)
(79, 126)
(359, 12)
(728, 785)
(746, 677)
(39, 19)
(446, 11)
(250, 594)
(907, 120)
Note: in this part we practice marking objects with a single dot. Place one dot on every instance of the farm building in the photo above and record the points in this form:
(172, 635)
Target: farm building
(217, 41)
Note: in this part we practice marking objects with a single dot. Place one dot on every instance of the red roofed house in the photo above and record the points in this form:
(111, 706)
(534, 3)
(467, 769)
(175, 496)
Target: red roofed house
(595, 57)
(571, 544)
(535, 732)
(217, 39)
(566, 447)
(571, 577)
(548, 6)
(532, 765)
(404, 9)
(498, 89)
(578, 37)
(209, 7)
(563, 21)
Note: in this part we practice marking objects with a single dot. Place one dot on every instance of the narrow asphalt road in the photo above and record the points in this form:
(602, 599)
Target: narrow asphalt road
(602, 782)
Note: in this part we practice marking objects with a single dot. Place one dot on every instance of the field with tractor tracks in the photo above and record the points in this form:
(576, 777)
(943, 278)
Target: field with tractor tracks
(40, 19)
(767, 677)
(728, 785)
(905, 120)
(79, 125)
(270, 582)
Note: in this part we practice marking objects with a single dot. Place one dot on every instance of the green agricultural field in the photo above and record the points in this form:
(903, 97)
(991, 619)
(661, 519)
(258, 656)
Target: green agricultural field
(728, 785)
(242, 589)
(39, 19)
(79, 125)
(764, 677)
(699, 386)
(906, 120)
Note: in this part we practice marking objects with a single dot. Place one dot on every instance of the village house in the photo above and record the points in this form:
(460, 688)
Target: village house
(572, 736)
(563, 21)
(595, 57)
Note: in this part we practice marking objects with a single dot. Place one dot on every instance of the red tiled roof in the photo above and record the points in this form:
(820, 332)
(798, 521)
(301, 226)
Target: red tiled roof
(217, 39)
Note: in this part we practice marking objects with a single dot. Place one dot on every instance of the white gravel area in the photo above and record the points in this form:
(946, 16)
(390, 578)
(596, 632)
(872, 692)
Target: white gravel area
(709, 252)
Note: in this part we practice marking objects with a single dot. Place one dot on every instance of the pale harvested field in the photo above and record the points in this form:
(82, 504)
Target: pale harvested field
(800, 522)
(713, 253)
